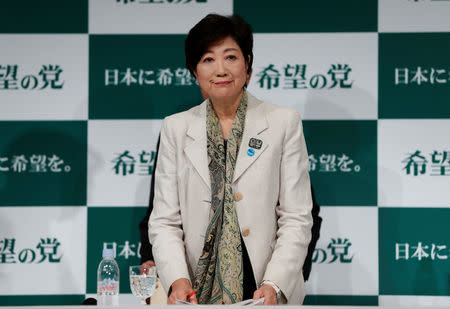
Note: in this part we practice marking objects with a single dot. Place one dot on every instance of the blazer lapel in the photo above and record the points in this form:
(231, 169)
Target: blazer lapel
(196, 150)
(255, 124)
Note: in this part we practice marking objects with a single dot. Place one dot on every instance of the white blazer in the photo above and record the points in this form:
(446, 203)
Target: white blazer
(274, 211)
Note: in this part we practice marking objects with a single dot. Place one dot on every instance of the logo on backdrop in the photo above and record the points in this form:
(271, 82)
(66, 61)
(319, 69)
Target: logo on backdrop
(332, 163)
(337, 251)
(148, 77)
(161, 1)
(126, 163)
(421, 76)
(436, 163)
(421, 251)
(295, 76)
(47, 78)
(124, 250)
(35, 163)
(45, 251)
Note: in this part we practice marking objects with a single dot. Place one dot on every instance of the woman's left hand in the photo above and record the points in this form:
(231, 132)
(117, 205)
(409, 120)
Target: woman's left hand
(269, 294)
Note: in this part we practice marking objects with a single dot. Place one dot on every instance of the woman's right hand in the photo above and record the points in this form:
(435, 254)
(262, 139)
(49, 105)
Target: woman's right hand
(149, 263)
(181, 289)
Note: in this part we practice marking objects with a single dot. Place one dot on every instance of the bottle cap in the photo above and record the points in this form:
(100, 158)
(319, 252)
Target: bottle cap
(108, 253)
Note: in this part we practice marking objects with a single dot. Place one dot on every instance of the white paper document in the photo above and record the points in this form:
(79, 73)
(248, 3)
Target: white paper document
(247, 302)
(250, 302)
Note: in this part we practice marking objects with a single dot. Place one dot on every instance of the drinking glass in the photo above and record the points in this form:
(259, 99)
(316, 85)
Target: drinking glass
(142, 281)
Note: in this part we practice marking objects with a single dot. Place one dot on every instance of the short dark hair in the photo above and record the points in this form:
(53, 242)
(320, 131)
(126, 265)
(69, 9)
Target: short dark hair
(212, 29)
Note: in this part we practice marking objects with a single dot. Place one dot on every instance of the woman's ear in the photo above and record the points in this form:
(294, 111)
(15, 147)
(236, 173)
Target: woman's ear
(249, 72)
(249, 75)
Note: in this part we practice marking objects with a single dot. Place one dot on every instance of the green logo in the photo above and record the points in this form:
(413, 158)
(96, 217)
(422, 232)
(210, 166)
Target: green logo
(47, 77)
(145, 71)
(126, 164)
(123, 250)
(438, 163)
(149, 77)
(413, 67)
(332, 163)
(413, 251)
(46, 250)
(295, 77)
(337, 251)
(431, 251)
(343, 161)
(35, 163)
(421, 76)
(43, 163)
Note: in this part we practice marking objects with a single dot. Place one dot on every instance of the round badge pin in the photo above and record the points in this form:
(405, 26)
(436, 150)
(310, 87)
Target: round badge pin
(250, 152)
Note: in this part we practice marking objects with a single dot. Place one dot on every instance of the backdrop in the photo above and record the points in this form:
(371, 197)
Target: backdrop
(84, 86)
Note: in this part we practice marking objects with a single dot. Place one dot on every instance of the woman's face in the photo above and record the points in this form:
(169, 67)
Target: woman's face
(222, 70)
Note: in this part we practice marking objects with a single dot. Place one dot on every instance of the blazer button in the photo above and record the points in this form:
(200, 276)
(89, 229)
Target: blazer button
(245, 232)
(238, 196)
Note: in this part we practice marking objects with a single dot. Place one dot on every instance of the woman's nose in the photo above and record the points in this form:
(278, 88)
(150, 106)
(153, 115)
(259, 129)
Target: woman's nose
(221, 68)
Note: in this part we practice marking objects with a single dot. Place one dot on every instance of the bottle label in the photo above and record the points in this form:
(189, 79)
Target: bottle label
(108, 285)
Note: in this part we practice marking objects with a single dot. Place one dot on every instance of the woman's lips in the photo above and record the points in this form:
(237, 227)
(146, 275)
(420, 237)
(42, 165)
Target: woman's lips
(223, 83)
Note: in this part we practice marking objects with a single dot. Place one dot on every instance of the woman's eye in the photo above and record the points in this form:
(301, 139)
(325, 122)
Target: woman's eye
(231, 57)
(208, 59)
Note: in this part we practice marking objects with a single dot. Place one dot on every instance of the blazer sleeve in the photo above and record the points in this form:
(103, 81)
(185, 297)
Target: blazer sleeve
(165, 230)
(293, 211)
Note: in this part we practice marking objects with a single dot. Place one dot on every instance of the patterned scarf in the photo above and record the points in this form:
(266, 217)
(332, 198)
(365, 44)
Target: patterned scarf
(219, 275)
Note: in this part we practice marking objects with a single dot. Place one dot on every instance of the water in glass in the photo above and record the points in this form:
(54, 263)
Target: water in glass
(142, 281)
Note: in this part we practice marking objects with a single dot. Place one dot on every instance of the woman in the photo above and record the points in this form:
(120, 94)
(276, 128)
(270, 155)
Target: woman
(232, 207)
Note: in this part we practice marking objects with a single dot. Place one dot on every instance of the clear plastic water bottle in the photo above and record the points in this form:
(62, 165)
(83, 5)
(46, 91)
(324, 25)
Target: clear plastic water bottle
(108, 280)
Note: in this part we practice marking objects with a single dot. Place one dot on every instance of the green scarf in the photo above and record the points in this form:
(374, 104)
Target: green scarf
(219, 275)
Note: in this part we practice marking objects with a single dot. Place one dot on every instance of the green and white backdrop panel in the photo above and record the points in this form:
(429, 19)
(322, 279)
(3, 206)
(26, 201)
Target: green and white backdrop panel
(84, 86)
